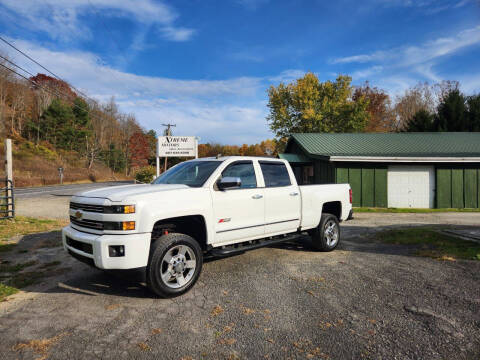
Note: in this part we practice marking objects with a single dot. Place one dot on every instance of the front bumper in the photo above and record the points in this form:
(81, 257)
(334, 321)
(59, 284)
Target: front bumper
(137, 248)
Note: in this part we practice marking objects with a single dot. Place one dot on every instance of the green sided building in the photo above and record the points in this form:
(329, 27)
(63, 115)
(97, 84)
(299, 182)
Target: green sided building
(401, 170)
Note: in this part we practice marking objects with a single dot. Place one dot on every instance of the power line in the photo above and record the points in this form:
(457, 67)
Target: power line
(17, 66)
(43, 67)
(46, 89)
(29, 73)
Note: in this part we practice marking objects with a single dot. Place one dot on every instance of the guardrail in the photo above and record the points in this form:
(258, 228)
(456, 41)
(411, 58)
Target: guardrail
(7, 200)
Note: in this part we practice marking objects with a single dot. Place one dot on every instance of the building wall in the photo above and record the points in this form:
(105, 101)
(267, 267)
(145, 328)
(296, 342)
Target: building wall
(368, 183)
(458, 186)
(324, 172)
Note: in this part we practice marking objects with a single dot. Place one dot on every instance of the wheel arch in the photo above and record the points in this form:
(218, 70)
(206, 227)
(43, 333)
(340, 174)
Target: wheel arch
(191, 225)
(334, 208)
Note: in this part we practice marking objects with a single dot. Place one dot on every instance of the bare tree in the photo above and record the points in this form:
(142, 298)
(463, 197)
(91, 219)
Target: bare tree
(420, 97)
(5, 80)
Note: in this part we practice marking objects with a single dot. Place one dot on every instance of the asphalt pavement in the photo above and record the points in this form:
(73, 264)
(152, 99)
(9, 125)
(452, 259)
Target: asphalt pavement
(365, 300)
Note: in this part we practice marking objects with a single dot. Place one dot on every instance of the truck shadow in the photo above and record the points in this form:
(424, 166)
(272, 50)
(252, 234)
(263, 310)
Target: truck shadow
(53, 265)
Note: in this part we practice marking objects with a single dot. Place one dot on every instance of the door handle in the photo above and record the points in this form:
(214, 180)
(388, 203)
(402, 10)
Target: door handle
(293, 193)
(257, 196)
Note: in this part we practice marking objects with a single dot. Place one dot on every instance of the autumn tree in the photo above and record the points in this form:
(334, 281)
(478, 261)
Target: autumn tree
(5, 81)
(381, 117)
(308, 105)
(420, 97)
(139, 150)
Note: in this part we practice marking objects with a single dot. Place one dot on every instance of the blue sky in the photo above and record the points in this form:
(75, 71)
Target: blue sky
(205, 65)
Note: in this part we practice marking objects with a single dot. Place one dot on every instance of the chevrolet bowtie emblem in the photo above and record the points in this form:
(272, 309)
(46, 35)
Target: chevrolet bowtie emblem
(78, 215)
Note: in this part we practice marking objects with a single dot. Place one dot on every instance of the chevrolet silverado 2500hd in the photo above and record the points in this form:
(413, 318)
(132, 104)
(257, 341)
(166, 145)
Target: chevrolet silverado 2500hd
(211, 205)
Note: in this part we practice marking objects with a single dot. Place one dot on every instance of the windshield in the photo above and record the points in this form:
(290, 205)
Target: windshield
(191, 173)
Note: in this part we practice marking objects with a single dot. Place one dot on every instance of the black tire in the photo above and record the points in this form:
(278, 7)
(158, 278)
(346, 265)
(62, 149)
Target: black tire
(320, 239)
(157, 264)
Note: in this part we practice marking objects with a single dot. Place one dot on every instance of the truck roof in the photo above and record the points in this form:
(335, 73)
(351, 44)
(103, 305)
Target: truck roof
(238, 157)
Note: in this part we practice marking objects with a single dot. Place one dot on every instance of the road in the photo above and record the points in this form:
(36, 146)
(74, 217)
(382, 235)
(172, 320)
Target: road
(63, 190)
(365, 300)
(52, 201)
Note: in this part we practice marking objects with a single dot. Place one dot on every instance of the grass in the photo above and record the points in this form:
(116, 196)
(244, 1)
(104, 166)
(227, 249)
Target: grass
(6, 290)
(408, 210)
(22, 225)
(432, 243)
(18, 278)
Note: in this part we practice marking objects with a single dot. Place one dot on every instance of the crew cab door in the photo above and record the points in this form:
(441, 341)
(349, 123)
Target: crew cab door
(282, 198)
(239, 213)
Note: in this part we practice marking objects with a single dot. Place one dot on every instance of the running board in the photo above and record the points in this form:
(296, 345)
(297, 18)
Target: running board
(250, 245)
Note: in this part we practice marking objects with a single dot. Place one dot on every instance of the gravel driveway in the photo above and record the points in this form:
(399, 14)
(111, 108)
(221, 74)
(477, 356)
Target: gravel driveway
(363, 300)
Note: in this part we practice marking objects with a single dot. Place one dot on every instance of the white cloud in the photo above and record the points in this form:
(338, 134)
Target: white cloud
(359, 58)
(177, 34)
(411, 55)
(226, 110)
(219, 123)
(365, 73)
(399, 68)
(86, 71)
(287, 76)
(60, 19)
(428, 6)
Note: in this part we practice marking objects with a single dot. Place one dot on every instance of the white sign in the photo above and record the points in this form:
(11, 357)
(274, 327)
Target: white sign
(176, 146)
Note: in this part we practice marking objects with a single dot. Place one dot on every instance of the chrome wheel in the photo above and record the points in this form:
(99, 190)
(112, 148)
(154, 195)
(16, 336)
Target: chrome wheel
(178, 266)
(330, 232)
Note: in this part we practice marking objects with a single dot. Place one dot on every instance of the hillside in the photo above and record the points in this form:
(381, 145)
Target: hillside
(38, 165)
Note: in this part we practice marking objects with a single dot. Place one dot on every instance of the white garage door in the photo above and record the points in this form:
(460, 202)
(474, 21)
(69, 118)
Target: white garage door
(411, 186)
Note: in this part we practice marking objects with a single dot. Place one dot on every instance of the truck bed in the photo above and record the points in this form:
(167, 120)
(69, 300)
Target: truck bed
(313, 196)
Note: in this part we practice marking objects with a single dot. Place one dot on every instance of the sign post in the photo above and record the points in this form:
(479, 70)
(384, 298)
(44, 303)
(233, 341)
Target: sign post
(176, 146)
(60, 173)
(9, 174)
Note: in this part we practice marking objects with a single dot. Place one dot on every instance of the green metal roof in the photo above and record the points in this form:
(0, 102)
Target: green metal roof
(454, 144)
(294, 158)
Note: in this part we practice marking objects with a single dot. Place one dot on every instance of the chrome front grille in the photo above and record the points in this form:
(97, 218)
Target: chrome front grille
(87, 207)
(90, 224)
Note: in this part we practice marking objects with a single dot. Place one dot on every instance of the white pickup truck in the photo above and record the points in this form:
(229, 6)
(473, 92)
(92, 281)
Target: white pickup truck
(216, 205)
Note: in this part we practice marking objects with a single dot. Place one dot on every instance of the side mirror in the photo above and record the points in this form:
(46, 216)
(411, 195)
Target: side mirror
(229, 183)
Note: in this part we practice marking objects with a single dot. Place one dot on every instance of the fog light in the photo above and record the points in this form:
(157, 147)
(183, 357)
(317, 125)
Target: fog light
(128, 225)
(116, 250)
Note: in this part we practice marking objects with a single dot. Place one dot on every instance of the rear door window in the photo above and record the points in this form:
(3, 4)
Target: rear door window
(275, 174)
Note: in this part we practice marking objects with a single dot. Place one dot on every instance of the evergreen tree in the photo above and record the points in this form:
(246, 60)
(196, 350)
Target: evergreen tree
(473, 105)
(57, 124)
(420, 122)
(452, 113)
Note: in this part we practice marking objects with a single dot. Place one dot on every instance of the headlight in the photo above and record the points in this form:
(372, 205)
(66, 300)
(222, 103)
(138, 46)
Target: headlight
(120, 209)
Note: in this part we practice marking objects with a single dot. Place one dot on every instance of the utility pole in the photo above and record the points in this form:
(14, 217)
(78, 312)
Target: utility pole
(168, 132)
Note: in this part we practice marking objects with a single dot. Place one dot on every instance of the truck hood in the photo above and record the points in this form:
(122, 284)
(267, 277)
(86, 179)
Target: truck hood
(119, 193)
